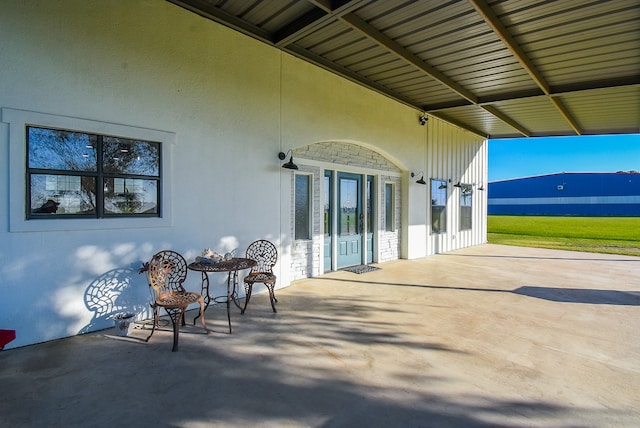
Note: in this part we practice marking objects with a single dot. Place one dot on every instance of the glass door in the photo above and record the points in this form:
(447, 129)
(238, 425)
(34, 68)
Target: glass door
(349, 220)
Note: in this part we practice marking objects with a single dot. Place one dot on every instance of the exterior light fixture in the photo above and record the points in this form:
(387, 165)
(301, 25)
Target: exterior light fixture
(423, 119)
(457, 184)
(421, 179)
(290, 164)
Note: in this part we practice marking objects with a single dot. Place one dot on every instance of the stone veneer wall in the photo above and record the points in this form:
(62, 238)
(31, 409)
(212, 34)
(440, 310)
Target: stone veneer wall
(305, 255)
(345, 154)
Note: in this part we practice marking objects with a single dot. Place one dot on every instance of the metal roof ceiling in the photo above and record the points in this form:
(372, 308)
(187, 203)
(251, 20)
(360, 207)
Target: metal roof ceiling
(501, 68)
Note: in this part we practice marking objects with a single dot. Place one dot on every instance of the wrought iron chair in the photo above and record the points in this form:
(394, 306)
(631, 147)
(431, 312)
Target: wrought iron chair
(266, 254)
(166, 272)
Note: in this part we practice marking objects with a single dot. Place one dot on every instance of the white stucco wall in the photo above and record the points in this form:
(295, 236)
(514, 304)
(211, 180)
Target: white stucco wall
(230, 104)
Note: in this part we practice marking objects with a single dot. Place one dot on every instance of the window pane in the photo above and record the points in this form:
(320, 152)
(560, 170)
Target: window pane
(388, 207)
(61, 150)
(124, 156)
(302, 207)
(370, 207)
(438, 206)
(349, 207)
(466, 194)
(130, 196)
(83, 166)
(62, 194)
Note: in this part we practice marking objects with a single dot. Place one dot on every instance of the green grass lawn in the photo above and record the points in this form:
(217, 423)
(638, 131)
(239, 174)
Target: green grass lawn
(614, 235)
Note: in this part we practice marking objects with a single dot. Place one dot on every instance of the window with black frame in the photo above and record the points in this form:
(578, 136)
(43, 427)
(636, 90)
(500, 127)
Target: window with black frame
(73, 174)
(302, 220)
(438, 206)
(466, 195)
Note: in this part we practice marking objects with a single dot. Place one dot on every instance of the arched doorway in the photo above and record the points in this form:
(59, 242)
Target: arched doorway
(347, 187)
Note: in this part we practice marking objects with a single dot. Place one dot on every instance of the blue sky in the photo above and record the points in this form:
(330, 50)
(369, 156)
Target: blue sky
(524, 157)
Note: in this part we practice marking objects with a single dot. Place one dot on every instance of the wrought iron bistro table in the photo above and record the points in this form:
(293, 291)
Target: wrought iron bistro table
(232, 267)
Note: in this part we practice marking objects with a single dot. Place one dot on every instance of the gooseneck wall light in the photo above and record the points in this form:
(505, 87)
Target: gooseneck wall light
(290, 164)
(421, 179)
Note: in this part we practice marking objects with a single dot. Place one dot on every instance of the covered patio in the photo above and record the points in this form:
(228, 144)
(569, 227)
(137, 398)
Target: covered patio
(484, 336)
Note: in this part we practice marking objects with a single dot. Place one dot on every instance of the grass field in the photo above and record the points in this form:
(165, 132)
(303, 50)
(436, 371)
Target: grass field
(613, 235)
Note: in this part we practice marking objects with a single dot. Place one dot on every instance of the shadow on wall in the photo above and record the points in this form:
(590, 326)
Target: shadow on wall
(116, 291)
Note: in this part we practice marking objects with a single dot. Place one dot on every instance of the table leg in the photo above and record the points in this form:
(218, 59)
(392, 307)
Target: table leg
(234, 295)
(229, 297)
(205, 294)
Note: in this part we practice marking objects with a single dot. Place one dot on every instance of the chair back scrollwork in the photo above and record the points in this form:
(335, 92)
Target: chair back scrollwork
(265, 254)
(167, 272)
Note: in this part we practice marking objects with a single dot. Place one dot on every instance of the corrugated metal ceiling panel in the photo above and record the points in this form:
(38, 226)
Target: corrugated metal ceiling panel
(605, 111)
(499, 68)
(536, 114)
(478, 119)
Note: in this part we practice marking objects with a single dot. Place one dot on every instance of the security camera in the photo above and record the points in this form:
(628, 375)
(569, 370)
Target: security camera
(423, 119)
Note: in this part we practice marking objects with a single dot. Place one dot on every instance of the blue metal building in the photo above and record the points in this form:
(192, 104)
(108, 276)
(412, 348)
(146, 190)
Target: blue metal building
(570, 194)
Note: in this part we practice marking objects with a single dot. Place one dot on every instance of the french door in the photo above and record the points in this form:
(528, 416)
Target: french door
(348, 219)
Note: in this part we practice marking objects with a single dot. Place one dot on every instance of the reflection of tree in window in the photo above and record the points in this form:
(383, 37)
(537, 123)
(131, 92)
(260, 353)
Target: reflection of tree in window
(348, 201)
(88, 174)
(124, 156)
(466, 194)
(438, 206)
(65, 153)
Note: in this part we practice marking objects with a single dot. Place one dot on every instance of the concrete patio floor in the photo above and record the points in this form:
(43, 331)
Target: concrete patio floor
(487, 336)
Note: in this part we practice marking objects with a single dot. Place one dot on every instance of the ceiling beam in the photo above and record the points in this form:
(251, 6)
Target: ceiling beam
(460, 124)
(565, 114)
(501, 31)
(301, 27)
(613, 83)
(506, 119)
(216, 14)
(492, 20)
(630, 83)
(325, 5)
(325, 11)
(340, 6)
(395, 48)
